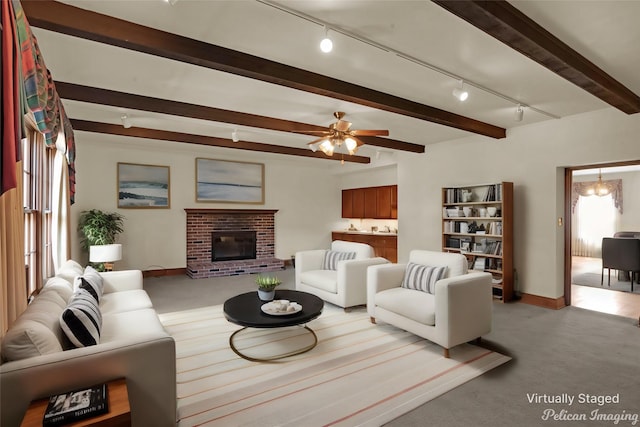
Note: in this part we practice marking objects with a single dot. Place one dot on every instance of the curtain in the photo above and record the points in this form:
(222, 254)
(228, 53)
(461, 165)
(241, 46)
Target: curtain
(60, 207)
(12, 274)
(594, 218)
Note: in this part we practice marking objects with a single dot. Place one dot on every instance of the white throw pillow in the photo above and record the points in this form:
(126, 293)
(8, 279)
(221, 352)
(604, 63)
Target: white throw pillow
(422, 277)
(69, 271)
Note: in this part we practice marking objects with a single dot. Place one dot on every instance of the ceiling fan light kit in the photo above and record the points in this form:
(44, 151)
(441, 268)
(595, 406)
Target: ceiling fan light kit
(340, 133)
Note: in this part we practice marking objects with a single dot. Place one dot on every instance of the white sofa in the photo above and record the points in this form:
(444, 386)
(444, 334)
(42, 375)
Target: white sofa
(458, 312)
(346, 285)
(133, 345)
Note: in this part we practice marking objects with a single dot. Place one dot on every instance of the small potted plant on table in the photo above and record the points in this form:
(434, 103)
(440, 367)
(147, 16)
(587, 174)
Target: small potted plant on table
(267, 286)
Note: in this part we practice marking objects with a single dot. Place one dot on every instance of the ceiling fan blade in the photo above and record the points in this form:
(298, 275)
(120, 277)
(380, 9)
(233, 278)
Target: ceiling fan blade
(369, 132)
(313, 132)
(343, 125)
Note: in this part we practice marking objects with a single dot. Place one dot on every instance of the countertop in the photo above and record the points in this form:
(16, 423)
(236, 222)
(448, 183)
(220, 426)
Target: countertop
(370, 233)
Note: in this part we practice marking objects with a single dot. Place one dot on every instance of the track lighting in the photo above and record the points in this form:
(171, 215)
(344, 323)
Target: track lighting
(460, 93)
(126, 123)
(234, 136)
(519, 113)
(171, 2)
(326, 45)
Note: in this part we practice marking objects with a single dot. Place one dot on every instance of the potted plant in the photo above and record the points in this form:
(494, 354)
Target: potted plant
(266, 287)
(99, 228)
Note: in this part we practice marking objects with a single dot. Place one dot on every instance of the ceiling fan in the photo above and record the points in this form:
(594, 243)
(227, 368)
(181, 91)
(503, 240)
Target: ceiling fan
(340, 133)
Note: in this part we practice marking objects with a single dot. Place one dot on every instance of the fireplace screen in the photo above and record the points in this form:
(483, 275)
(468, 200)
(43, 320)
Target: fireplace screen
(232, 245)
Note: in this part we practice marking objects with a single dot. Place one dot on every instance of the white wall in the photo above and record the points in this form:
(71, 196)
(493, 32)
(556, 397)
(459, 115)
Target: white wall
(304, 191)
(533, 158)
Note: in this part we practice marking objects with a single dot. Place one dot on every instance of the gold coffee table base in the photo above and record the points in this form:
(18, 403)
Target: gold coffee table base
(275, 357)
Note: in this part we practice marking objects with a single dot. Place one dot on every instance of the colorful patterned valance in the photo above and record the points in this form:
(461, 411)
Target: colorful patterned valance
(34, 80)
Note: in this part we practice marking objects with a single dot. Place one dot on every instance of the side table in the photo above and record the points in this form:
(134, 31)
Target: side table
(119, 414)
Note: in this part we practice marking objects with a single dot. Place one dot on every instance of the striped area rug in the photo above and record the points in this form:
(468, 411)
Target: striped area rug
(359, 374)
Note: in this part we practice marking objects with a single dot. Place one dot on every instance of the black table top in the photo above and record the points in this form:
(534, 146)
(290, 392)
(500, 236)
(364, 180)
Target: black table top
(244, 309)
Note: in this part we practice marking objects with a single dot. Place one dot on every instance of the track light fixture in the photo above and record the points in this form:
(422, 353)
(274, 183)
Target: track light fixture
(234, 135)
(519, 113)
(326, 45)
(460, 93)
(126, 123)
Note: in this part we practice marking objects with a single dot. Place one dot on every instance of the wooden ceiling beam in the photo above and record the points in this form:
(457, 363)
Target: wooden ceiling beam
(163, 135)
(506, 23)
(74, 21)
(156, 105)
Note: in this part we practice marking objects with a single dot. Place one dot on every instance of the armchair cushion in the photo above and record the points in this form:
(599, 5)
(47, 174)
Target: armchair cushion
(327, 280)
(422, 277)
(413, 304)
(331, 259)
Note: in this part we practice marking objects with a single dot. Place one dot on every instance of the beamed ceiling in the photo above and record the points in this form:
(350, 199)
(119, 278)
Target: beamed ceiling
(194, 71)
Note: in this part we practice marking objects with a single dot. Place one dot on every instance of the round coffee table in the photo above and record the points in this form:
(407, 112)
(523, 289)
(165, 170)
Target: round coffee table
(244, 310)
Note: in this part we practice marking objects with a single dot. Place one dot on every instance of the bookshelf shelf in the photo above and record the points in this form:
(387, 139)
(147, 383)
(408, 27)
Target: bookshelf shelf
(464, 212)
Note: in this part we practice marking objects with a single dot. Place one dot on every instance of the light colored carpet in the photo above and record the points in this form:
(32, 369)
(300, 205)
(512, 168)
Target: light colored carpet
(358, 374)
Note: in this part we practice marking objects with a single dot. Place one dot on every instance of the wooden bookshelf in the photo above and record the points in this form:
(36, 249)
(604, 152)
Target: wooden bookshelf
(466, 219)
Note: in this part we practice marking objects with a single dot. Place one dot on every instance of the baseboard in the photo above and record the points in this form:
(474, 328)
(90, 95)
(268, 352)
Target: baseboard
(164, 272)
(552, 303)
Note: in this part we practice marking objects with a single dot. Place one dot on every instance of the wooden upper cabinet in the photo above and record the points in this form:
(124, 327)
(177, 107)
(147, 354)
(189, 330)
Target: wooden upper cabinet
(358, 204)
(347, 203)
(370, 202)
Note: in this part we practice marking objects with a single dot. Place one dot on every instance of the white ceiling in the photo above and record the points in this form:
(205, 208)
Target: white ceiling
(605, 32)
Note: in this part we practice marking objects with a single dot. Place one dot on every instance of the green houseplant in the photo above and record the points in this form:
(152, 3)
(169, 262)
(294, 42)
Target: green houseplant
(266, 287)
(99, 228)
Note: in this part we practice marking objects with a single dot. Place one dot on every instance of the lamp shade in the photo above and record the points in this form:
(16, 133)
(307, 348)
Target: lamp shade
(105, 253)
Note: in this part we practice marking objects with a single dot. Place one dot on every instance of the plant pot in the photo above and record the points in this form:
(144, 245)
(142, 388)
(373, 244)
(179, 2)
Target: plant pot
(266, 295)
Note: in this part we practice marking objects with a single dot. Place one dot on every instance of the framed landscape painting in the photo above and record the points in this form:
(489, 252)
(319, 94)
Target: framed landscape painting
(143, 186)
(229, 182)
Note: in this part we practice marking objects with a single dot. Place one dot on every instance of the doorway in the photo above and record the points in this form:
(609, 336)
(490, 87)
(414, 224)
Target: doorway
(583, 235)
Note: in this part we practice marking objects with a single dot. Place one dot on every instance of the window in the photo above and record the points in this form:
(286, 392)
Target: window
(37, 160)
(596, 218)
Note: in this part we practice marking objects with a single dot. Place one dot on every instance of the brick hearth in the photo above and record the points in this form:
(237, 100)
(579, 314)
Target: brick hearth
(202, 222)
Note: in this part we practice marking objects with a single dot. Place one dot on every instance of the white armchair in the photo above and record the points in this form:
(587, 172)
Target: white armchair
(459, 311)
(345, 286)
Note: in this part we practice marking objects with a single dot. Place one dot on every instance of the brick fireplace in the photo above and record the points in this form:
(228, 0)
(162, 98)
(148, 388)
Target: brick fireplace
(203, 223)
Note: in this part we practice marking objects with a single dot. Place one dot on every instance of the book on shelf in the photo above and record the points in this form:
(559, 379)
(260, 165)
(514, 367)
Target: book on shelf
(76, 405)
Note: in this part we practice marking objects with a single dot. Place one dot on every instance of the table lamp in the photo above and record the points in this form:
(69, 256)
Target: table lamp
(106, 254)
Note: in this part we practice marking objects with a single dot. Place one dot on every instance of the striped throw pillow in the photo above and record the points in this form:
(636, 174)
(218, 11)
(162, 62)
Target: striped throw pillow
(331, 259)
(422, 277)
(81, 321)
(91, 281)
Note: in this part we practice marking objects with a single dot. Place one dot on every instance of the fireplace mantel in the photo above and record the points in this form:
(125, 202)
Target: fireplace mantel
(231, 211)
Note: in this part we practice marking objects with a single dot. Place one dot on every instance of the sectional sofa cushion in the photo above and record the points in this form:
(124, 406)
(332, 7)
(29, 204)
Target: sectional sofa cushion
(422, 277)
(331, 259)
(81, 321)
(37, 330)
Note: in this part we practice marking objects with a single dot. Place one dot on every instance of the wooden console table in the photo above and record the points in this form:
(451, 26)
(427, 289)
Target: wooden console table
(119, 414)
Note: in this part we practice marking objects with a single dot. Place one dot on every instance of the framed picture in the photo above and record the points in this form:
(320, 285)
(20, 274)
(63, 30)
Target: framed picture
(226, 181)
(143, 186)
(465, 246)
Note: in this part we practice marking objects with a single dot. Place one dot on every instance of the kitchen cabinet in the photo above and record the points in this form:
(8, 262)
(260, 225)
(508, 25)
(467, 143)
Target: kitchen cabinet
(384, 245)
(370, 202)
